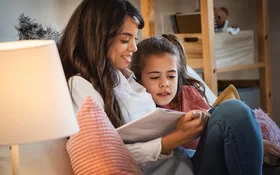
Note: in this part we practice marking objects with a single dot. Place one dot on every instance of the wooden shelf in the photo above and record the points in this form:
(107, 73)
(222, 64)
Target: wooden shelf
(240, 67)
(208, 63)
(197, 64)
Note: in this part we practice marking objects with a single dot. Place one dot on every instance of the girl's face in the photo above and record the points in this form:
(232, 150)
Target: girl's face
(120, 53)
(160, 77)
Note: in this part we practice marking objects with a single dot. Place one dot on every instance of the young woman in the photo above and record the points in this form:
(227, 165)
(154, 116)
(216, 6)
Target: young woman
(231, 143)
(96, 49)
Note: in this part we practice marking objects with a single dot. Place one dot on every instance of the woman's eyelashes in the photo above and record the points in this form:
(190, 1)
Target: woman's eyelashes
(127, 40)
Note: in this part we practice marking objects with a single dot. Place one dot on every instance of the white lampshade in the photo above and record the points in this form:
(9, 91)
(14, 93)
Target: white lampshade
(35, 102)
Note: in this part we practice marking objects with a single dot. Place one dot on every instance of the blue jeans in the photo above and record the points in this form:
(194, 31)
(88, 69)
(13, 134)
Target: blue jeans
(232, 142)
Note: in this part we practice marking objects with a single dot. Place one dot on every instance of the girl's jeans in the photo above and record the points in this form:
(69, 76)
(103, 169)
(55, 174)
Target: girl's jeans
(232, 142)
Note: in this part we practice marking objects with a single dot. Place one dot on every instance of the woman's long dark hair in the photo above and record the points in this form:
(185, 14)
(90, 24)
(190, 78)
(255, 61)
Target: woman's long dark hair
(90, 32)
(167, 43)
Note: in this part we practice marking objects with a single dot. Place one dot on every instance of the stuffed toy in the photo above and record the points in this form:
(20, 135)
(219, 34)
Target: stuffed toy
(221, 15)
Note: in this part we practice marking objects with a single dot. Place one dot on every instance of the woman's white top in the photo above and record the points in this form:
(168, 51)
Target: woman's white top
(133, 101)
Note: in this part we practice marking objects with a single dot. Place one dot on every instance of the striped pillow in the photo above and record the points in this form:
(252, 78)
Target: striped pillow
(97, 148)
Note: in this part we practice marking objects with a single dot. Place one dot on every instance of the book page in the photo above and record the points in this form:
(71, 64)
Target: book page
(153, 125)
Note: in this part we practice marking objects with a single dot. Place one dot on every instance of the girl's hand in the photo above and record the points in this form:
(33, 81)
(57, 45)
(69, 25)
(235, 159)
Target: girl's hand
(189, 126)
(271, 148)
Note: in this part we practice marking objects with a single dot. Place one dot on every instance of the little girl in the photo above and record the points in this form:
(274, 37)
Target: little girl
(231, 141)
(159, 67)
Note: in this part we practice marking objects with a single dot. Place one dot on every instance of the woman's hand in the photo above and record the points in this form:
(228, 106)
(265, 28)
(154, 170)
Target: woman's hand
(271, 148)
(192, 124)
(189, 127)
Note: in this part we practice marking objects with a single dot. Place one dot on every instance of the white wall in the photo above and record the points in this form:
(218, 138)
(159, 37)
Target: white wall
(184, 6)
(54, 13)
(162, 13)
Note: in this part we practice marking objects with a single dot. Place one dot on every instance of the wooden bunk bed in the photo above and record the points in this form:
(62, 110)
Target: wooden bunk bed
(209, 56)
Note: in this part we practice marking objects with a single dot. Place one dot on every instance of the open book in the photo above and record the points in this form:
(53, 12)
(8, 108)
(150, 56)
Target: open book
(161, 121)
(153, 125)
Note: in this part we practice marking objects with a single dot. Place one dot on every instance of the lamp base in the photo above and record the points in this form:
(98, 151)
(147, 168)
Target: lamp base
(15, 159)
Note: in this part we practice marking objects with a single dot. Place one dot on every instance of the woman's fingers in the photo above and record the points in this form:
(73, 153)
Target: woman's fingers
(196, 121)
(205, 117)
(195, 114)
(191, 125)
(201, 117)
(191, 115)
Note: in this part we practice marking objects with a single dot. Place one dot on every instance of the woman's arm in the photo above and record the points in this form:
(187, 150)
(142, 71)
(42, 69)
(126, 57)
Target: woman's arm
(150, 151)
(143, 153)
(80, 89)
(146, 152)
(189, 127)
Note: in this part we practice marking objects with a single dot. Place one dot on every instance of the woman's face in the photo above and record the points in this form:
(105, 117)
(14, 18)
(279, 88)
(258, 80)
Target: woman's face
(120, 53)
(160, 77)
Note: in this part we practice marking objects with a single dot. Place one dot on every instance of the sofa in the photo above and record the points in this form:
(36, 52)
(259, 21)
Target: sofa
(51, 157)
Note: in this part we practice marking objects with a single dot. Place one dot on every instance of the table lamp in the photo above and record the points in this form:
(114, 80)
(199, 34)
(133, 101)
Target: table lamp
(35, 102)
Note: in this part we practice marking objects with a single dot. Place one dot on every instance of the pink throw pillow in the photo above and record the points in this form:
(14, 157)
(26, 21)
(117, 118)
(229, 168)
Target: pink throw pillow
(97, 148)
(270, 130)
